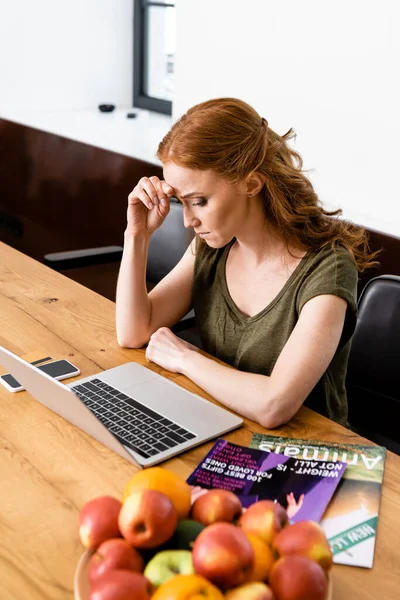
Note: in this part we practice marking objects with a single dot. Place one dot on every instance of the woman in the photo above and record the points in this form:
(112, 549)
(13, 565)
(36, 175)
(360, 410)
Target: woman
(272, 276)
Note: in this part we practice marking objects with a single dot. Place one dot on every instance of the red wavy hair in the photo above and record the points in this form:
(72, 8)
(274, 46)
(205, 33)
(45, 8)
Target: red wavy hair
(229, 137)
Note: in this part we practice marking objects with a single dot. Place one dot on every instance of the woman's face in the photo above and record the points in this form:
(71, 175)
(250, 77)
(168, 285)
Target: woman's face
(215, 208)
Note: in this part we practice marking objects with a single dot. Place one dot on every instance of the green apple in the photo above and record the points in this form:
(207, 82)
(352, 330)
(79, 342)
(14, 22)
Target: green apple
(185, 533)
(167, 564)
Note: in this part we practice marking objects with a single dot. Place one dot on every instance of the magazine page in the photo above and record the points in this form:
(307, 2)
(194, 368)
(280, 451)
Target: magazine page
(350, 521)
(303, 488)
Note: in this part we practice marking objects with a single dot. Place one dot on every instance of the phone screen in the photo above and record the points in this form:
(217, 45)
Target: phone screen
(12, 382)
(57, 368)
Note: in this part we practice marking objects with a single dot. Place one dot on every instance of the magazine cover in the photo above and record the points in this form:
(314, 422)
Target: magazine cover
(350, 521)
(303, 488)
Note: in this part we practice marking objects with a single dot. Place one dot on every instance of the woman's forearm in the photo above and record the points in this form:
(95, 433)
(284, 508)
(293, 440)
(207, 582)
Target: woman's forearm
(133, 309)
(248, 394)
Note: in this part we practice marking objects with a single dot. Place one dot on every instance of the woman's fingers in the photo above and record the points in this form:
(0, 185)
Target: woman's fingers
(144, 198)
(160, 196)
(137, 195)
(168, 190)
(162, 335)
(152, 192)
(148, 185)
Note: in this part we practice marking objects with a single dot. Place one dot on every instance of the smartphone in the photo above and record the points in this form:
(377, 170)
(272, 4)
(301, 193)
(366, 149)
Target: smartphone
(59, 369)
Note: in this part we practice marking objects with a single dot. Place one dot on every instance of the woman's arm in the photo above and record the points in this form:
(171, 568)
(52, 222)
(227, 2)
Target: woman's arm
(132, 302)
(139, 314)
(273, 400)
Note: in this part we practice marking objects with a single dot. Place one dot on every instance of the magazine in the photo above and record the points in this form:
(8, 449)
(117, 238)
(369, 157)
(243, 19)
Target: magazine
(303, 488)
(350, 521)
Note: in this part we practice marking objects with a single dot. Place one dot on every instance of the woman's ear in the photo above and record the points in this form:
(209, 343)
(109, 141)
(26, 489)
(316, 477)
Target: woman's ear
(254, 184)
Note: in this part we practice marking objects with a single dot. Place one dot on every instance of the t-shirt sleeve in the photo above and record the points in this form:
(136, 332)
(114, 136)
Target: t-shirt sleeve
(334, 274)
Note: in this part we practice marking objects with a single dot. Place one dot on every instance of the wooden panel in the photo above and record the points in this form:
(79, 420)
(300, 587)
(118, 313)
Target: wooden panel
(389, 258)
(67, 195)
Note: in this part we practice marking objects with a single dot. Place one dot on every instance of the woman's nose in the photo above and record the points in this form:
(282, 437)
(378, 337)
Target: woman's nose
(189, 220)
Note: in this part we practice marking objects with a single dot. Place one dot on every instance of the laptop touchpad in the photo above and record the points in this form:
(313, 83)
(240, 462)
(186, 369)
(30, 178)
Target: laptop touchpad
(171, 401)
(127, 376)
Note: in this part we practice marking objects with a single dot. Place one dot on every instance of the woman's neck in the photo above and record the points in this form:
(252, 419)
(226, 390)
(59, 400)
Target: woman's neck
(258, 241)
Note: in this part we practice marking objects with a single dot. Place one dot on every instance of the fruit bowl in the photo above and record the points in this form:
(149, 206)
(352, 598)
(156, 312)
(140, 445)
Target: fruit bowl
(81, 578)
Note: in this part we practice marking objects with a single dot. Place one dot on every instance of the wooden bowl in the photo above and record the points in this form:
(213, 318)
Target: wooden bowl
(81, 578)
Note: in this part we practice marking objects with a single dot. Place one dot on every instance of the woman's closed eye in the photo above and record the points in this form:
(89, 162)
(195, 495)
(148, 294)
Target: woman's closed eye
(200, 202)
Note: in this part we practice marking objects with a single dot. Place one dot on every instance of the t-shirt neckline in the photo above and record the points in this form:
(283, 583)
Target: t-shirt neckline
(270, 306)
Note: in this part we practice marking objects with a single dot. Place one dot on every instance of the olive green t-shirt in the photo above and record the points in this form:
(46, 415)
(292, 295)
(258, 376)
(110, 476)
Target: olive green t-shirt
(253, 344)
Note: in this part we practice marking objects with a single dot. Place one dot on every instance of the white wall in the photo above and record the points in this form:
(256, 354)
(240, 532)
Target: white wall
(329, 70)
(57, 54)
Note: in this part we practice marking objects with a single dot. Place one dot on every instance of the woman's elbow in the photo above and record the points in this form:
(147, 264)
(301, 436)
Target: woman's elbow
(133, 343)
(271, 421)
(275, 415)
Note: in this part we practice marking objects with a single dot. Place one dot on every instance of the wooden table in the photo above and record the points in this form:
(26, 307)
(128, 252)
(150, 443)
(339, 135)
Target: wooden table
(49, 468)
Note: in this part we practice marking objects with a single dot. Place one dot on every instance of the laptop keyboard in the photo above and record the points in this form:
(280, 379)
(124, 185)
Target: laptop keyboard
(140, 428)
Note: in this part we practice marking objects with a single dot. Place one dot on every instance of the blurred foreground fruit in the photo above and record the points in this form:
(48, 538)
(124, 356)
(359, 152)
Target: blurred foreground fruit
(98, 521)
(113, 554)
(264, 519)
(306, 538)
(167, 564)
(223, 554)
(167, 482)
(251, 591)
(121, 585)
(263, 559)
(147, 519)
(187, 587)
(296, 577)
(216, 505)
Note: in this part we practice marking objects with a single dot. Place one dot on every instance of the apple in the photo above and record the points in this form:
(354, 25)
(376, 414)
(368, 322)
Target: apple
(147, 518)
(264, 519)
(185, 533)
(255, 590)
(216, 505)
(223, 554)
(296, 577)
(263, 559)
(98, 521)
(121, 585)
(307, 538)
(112, 554)
(168, 563)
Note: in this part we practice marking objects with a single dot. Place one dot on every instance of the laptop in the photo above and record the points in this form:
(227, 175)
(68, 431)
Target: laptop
(142, 416)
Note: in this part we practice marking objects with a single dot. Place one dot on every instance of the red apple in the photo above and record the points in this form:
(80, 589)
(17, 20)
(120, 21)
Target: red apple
(296, 577)
(121, 585)
(223, 555)
(147, 518)
(264, 519)
(113, 554)
(306, 538)
(216, 505)
(98, 521)
(256, 590)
